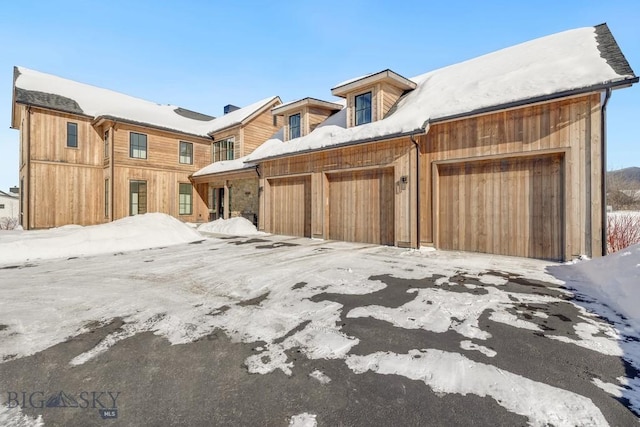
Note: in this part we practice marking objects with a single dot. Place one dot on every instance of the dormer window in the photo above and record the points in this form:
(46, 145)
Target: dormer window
(363, 108)
(301, 117)
(294, 126)
(371, 98)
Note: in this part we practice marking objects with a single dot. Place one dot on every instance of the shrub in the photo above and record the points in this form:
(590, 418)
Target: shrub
(623, 230)
(8, 223)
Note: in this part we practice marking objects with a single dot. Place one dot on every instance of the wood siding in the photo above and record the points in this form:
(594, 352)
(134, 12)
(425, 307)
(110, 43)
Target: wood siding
(571, 126)
(291, 206)
(506, 207)
(361, 206)
(394, 157)
(258, 131)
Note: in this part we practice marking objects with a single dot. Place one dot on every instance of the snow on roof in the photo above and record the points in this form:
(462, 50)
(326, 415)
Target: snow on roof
(573, 60)
(238, 116)
(225, 166)
(46, 90)
(13, 196)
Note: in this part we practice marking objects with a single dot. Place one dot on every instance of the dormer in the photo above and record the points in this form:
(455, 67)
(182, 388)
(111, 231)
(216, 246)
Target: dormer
(369, 98)
(303, 116)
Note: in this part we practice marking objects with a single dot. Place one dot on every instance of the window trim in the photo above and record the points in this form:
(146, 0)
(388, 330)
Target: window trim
(146, 193)
(190, 162)
(105, 139)
(355, 108)
(75, 139)
(299, 127)
(190, 202)
(146, 145)
(214, 145)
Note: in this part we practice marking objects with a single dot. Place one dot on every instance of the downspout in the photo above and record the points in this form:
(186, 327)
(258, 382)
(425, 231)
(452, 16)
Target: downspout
(417, 145)
(28, 192)
(603, 155)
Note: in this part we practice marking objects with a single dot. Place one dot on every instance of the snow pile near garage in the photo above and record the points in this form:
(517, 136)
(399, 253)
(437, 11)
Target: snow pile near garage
(613, 280)
(146, 231)
(237, 226)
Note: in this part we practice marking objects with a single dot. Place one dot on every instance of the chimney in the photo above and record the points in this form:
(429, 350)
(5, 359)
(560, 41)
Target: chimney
(14, 190)
(229, 108)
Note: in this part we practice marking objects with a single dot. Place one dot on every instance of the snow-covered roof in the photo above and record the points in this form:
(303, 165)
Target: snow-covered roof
(312, 102)
(387, 75)
(49, 91)
(225, 166)
(13, 196)
(570, 62)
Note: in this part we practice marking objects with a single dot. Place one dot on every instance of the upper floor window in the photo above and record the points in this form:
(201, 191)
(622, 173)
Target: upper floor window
(294, 126)
(72, 135)
(186, 152)
(363, 108)
(222, 150)
(137, 145)
(106, 143)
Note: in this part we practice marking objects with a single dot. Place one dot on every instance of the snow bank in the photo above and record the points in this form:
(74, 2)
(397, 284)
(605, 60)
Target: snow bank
(613, 280)
(127, 234)
(237, 226)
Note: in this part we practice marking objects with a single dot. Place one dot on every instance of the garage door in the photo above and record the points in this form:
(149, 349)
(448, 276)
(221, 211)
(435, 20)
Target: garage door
(508, 207)
(291, 206)
(361, 206)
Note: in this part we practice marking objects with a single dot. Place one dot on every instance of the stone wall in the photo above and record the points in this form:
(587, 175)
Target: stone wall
(244, 198)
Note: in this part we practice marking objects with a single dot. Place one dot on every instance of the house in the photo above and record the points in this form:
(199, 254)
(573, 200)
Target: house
(502, 154)
(9, 205)
(90, 155)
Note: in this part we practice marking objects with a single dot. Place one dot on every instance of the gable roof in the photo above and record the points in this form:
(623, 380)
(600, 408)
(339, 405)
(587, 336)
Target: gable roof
(242, 115)
(572, 62)
(56, 93)
(11, 195)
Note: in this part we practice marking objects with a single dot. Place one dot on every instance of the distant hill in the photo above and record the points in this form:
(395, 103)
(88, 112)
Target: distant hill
(628, 175)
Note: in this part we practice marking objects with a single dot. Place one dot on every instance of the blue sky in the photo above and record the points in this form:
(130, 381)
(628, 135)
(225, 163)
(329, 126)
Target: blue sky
(203, 55)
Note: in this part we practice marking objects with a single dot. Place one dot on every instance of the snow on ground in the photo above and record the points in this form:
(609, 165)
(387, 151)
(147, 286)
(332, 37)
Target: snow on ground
(303, 420)
(269, 293)
(13, 417)
(127, 234)
(237, 226)
(447, 372)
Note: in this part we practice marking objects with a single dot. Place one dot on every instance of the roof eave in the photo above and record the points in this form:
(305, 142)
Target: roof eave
(248, 118)
(619, 84)
(99, 119)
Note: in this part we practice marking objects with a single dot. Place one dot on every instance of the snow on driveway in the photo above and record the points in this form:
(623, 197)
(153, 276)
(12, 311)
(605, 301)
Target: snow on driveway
(269, 290)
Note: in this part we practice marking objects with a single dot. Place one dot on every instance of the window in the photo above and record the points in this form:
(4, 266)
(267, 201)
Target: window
(106, 143)
(106, 198)
(294, 126)
(185, 199)
(137, 197)
(137, 145)
(1, 206)
(222, 150)
(72, 135)
(363, 108)
(186, 152)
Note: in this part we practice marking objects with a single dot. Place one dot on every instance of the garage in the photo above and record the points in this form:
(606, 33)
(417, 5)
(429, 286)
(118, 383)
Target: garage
(361, 206)
(511, 206)
(290, 200)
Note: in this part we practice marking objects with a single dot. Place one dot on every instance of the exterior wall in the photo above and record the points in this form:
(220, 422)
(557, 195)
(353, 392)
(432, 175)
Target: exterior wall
(57, 178)
(569, 129)
(258, 131)
(62, 185)
(161, 169)
(244, 198)
(11, 207)
(395, 154)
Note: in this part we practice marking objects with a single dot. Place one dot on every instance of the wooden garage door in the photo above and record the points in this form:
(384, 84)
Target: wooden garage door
(291, 206)
(361, 206)
(508, 207)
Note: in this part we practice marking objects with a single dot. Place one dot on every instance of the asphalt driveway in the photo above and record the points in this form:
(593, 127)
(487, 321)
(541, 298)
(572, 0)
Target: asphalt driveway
(276, 331)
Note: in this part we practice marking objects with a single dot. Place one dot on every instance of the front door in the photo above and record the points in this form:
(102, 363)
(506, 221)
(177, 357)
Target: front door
(216, 203)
